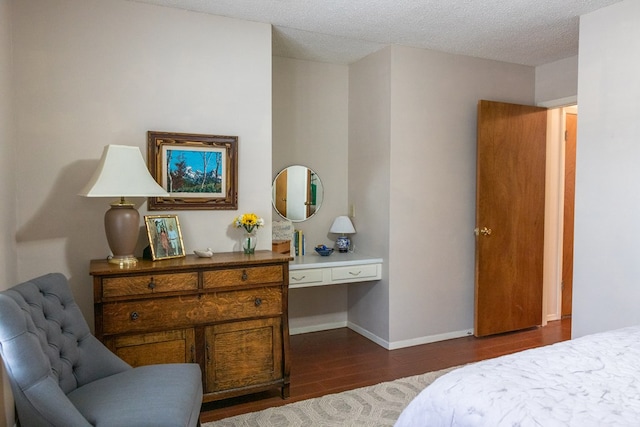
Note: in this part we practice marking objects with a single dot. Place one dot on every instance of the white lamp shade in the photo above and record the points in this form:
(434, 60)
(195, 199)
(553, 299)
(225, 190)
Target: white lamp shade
(342, 225)
(122, 172)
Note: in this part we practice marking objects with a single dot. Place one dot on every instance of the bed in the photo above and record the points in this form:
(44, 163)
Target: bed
(589, 381)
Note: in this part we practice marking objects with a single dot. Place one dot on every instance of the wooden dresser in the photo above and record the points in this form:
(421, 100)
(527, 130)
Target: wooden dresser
(227, 313)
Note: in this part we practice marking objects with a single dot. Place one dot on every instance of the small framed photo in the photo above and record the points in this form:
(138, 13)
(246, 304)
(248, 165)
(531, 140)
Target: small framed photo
(165, 237)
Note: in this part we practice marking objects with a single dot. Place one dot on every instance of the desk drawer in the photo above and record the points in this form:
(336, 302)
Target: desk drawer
(243, 276)
(305, 276)
(356, 272)
(149, 284)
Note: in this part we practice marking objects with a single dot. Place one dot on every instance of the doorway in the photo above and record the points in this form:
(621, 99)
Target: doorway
(571, 139)
(558, 262)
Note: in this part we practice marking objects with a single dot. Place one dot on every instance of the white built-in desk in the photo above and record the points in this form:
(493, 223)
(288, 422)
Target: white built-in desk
(315, 270)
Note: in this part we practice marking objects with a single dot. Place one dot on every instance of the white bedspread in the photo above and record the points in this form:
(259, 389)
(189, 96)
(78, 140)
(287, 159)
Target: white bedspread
(588, 381)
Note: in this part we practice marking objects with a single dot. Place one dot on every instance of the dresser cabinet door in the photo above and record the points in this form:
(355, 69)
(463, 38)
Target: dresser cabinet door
(241, 354)
(176, 346)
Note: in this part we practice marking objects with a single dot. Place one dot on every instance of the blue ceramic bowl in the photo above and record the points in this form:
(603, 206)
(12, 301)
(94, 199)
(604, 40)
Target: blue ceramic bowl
(324, 251)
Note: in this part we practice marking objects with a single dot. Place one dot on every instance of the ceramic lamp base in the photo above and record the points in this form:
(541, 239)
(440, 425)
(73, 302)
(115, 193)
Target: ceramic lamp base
(343, 244)
(121, 224)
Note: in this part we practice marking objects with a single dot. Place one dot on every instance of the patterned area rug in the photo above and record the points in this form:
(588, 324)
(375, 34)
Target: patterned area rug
(377, 405)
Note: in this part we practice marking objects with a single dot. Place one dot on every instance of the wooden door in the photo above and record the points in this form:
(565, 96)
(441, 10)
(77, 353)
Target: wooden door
(511, 153)
(569, 208)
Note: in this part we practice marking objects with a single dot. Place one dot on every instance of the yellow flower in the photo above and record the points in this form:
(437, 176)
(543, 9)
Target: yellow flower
(248, 221)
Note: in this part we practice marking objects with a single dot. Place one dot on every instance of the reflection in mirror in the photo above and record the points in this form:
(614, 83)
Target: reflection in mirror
(297, 193)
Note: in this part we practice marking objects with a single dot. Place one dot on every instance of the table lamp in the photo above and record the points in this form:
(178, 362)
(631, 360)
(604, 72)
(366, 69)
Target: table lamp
(122, 173)
(342, 225)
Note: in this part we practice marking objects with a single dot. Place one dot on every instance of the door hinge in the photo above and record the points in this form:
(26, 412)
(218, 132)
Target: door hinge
(566, 135)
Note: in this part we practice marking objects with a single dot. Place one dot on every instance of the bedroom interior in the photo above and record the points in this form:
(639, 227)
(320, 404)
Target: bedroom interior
(330, 362)
(83, 74)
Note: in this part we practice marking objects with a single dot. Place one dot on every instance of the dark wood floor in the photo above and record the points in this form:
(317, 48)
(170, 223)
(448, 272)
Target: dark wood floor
(340, 359)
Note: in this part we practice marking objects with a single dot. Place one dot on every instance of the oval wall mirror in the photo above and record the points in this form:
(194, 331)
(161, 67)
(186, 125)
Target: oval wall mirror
(297, 193)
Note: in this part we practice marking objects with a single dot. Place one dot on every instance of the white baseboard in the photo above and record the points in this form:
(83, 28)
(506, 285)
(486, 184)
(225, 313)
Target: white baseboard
(431, 338)
(409, 343)
(380, 341)
(367, 334)
(316, 328)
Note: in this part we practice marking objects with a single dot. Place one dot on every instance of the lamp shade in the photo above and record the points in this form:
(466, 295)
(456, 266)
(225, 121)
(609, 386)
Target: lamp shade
(342, 225)
(122, 172)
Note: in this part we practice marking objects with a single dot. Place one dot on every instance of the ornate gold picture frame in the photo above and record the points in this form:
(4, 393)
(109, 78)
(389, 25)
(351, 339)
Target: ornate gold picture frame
(198, 171)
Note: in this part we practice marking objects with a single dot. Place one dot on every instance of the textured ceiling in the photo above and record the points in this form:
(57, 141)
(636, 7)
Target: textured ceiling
(528, 32)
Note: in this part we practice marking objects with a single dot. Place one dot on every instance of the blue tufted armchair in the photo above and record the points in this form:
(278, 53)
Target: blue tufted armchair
(61, 375)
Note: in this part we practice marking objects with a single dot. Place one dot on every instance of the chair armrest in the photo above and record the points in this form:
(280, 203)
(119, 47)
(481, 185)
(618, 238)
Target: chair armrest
(97, 362)
(46, 404)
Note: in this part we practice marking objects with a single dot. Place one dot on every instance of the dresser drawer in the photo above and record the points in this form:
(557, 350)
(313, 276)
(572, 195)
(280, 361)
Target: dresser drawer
(243, 276)
(149, 284)
(249, 303)
(361, 272)
(157, 313)
(177, 312)
(305, 276)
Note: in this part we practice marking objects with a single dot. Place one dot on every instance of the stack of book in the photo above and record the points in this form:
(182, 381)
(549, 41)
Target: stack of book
(298, 242)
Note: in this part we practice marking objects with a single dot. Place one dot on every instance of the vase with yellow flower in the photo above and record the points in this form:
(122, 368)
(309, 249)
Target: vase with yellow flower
(250, 223)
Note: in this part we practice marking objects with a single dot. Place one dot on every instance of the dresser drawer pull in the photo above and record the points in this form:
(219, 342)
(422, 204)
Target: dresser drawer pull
(152, 284)
(134, 316)
(298, 278)
(245, 276)
(258, 302)
(355, 274)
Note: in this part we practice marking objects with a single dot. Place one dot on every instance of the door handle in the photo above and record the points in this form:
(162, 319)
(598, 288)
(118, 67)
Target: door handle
(484, 231)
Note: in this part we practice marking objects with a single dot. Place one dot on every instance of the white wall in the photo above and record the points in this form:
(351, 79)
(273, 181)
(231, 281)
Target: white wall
(8, 261)
(310, 127)
(370, 186)
(7, 153)
(90, 73)
(310, 122)
(607, 248)
(433, 156)
(557, 80)
(427, 156)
